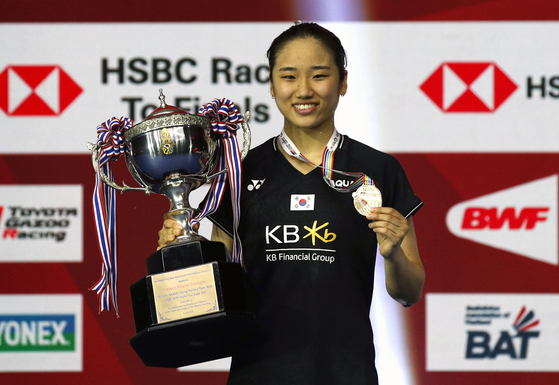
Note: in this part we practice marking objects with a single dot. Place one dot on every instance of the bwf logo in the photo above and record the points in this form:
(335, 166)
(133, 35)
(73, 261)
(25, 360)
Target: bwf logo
(468, 87)
(36, 90)
(521, 219)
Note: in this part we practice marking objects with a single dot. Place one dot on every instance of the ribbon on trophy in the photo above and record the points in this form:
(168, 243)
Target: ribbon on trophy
(111, 146)
(226, 120)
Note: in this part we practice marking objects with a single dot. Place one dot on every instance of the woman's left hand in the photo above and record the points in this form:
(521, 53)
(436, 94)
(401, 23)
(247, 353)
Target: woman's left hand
(391, 227)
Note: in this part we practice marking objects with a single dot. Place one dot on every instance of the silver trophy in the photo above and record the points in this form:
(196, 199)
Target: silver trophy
(192, 305)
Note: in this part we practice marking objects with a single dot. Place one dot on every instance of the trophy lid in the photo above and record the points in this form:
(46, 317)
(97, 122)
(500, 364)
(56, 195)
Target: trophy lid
(166, 116)
(165, 109)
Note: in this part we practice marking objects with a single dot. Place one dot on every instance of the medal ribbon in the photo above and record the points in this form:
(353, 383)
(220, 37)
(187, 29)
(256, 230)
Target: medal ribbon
(327, 162)
(111, 146)
(226, 120)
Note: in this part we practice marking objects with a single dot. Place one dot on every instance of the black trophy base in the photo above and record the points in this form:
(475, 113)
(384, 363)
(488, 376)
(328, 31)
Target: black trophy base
(179, 256)
(192, 341)
(176, 325)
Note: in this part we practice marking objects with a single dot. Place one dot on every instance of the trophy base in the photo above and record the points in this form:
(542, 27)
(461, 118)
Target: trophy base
(187, 315)
(192, 341)
(180, 255)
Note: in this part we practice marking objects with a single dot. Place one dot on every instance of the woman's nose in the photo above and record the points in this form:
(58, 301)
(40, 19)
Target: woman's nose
(304, 89)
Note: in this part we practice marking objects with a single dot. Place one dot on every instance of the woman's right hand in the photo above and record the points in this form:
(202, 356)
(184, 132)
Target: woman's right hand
(169, 232)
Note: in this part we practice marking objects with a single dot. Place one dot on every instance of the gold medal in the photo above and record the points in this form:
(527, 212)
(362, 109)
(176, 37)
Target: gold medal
(365, 198)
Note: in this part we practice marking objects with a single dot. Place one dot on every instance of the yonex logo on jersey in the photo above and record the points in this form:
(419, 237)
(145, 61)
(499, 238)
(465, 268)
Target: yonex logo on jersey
(36, 90)
(468, 87)
(255, 184)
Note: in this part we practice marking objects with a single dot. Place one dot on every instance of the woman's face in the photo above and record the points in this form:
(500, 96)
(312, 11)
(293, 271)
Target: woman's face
(305, 83)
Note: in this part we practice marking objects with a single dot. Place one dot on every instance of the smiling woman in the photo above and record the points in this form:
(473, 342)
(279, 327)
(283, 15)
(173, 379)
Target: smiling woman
(310, 250)
(307, 86)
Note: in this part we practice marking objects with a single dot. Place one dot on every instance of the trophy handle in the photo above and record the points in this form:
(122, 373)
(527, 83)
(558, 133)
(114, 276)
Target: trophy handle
(95, 160)
(246, 135)
(246, 145)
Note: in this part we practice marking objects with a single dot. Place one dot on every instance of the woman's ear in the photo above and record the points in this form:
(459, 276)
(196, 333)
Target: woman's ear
(343, 85)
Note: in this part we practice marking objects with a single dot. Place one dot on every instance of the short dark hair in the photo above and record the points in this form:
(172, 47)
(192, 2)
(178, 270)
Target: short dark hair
(309, 30)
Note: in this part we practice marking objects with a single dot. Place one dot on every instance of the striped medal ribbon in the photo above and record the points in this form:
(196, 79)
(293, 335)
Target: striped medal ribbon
(364, 192)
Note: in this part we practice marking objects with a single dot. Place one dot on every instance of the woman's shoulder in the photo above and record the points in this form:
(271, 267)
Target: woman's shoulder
(260, 151)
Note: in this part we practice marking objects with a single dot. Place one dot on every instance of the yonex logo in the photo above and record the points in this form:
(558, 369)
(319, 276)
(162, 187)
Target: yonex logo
(255, 184)
(37, 333)
(36, 90)
(468, 87)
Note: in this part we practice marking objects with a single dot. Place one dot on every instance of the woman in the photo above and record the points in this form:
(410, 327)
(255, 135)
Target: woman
(308, 253)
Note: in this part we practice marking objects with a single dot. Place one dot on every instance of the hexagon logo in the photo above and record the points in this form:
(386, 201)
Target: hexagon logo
(468, 87)
(36, 90)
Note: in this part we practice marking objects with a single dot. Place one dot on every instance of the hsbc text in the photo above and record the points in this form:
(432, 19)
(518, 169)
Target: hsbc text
(543, 87)
(159, 70)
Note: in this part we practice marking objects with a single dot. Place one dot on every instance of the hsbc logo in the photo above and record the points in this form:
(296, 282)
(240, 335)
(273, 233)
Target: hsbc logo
(468, 87)
(521, 219)
(36, 90)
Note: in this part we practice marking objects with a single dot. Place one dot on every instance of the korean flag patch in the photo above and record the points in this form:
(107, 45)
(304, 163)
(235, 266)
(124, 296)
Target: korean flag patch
(302, 202)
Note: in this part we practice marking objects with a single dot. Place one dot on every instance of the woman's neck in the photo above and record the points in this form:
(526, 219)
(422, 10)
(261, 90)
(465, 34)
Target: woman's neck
(311, 142)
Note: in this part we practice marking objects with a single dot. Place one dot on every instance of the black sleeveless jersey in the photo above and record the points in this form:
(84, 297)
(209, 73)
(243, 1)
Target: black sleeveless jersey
(310, 259)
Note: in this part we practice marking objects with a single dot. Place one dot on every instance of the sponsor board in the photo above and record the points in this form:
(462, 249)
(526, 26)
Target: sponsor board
(41, 223)
(41, 333)
(54, 93)
(467, 93)
(520, 219)
(492, 332)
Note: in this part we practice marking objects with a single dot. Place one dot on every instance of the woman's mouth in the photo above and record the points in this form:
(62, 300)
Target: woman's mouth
(304, 108)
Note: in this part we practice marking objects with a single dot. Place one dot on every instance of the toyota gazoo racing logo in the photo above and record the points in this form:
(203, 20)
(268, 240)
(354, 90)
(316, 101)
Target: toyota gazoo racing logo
(521, 219)
(36, 90)
(468, 87)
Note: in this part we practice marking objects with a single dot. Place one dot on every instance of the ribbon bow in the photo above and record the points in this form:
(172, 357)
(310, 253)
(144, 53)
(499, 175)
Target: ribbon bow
(225, 117)
(110, 146)
(110, 138)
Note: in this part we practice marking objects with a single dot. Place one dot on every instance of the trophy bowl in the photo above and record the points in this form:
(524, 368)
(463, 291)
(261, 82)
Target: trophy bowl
(172, 143)
(192, 306)
(172, 153)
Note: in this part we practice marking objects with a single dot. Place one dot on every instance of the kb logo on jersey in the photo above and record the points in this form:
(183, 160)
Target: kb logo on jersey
(290, 233)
